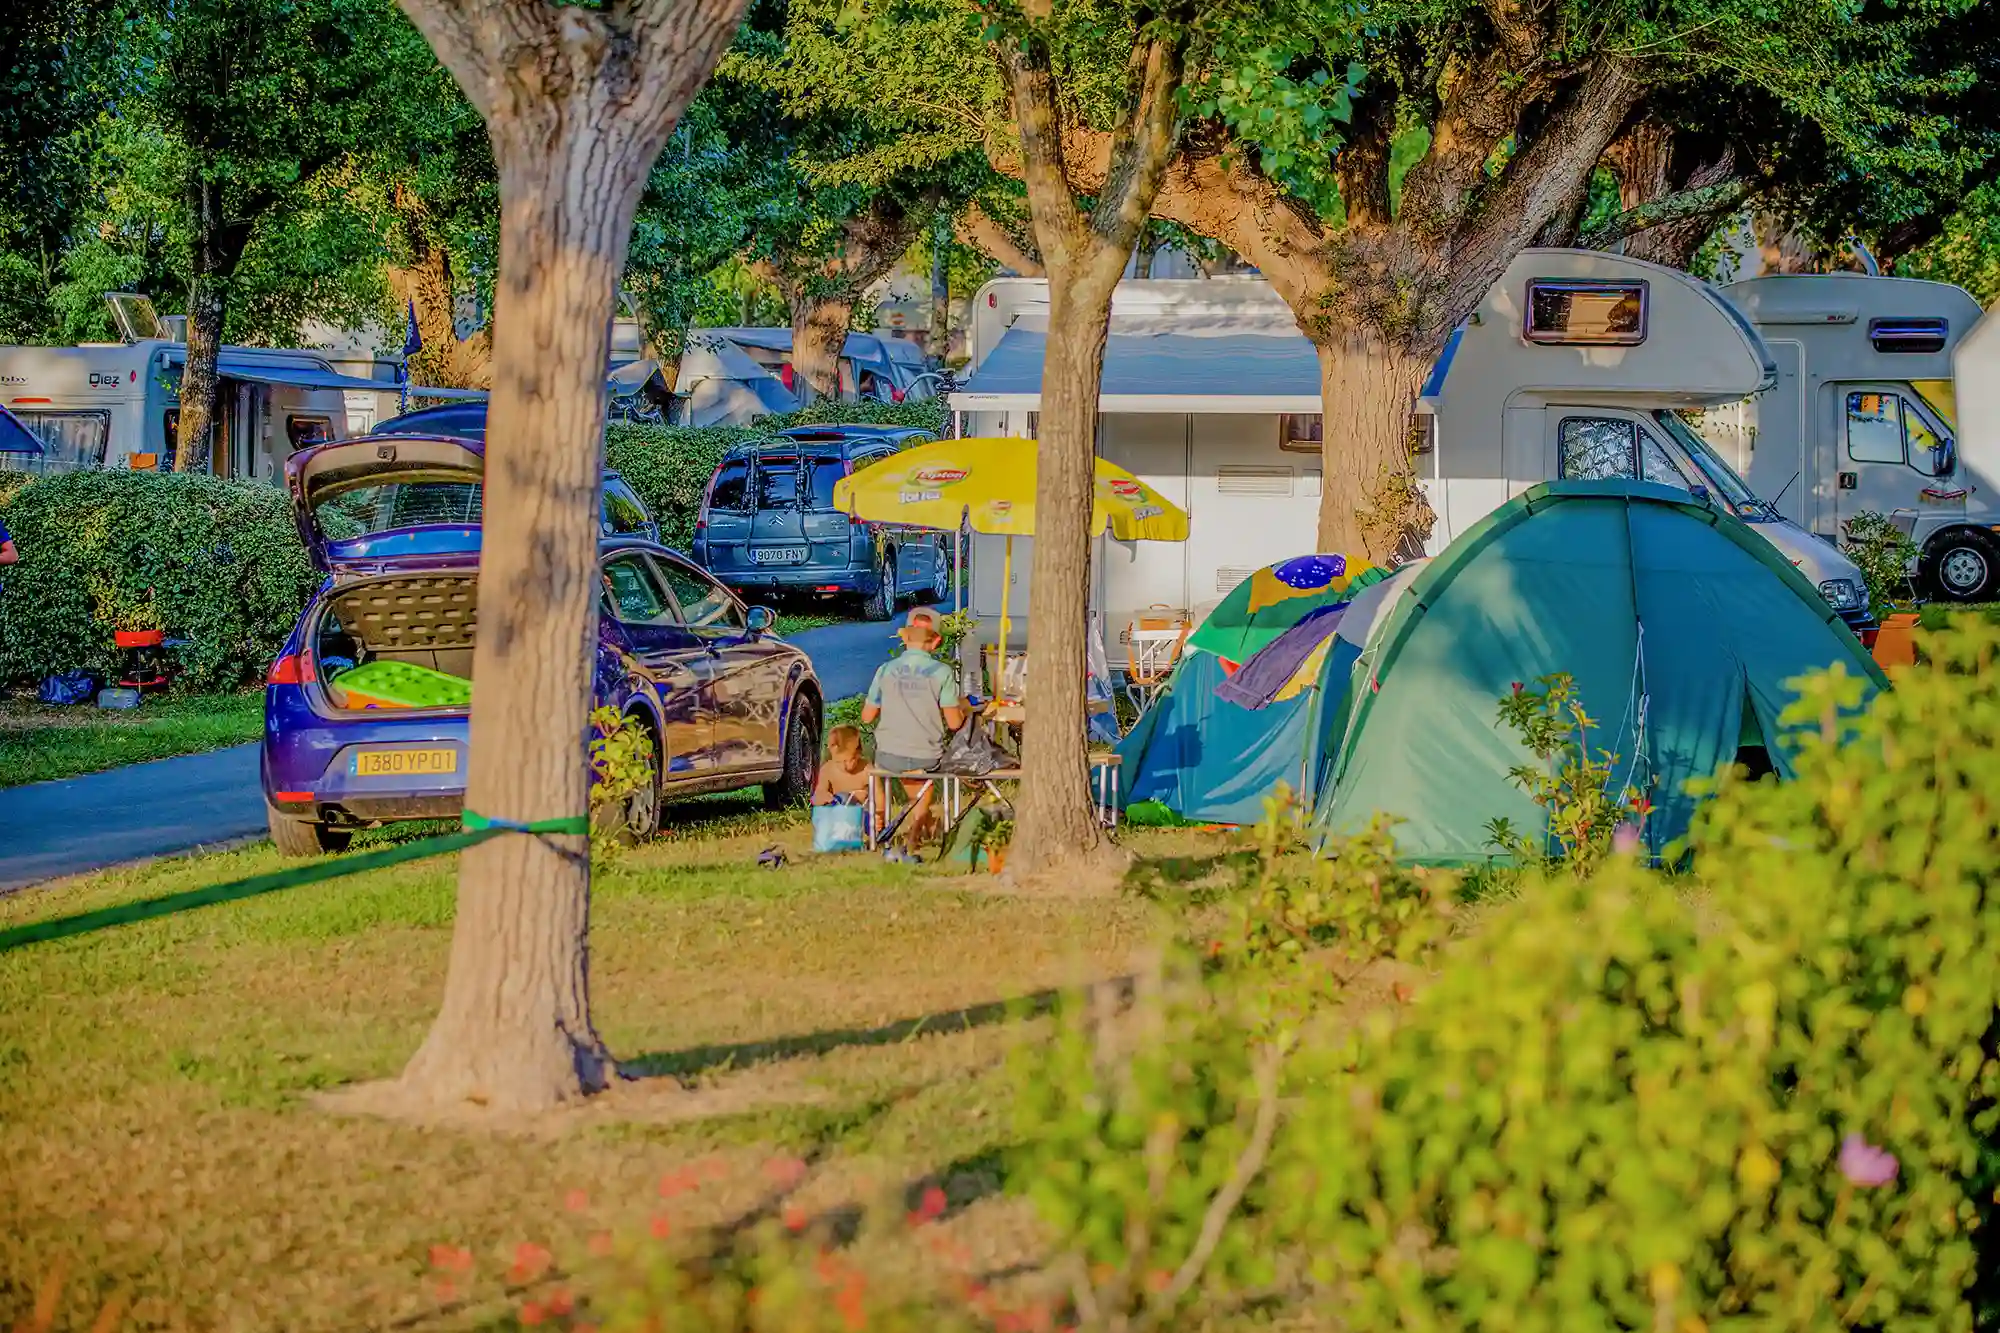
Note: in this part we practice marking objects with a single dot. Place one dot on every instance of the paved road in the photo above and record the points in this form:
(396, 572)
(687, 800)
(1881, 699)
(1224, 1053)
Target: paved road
(50, 829)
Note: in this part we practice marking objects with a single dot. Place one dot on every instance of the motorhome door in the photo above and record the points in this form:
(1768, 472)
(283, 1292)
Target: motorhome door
(1893, 454)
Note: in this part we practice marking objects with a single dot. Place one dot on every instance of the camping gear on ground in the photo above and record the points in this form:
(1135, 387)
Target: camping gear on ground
(119, 697)
(989, 485)
(771, 858)
(839, 828)
(1274, 599)
(1896, 643)
(385, 683)
(1153, 644)
(970, 752)
(74, 687)
(1677, 623)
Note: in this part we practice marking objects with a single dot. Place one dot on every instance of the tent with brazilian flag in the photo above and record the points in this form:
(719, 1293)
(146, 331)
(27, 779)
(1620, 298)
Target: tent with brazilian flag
(1682, 631)
(1274, 599)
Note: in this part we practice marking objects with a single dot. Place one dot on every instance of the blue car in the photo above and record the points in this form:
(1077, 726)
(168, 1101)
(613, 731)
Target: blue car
(767, 522)
(393, 521)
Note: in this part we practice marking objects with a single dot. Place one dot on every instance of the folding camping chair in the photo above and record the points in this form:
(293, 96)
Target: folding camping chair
(1153, 645)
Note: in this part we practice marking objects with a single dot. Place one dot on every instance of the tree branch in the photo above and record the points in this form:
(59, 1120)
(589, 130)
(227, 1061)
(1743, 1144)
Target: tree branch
(978, 229)
(1140, 147)
(1044, 168)
(1708, 201)
(1361, 167)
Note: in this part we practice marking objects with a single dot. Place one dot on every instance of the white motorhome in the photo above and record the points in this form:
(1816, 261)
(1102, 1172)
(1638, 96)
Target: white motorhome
(1880, 406)
(118, 404)
(1579, 364)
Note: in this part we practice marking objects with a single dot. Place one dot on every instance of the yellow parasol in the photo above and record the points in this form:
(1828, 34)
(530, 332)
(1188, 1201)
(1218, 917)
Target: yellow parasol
(990, 483)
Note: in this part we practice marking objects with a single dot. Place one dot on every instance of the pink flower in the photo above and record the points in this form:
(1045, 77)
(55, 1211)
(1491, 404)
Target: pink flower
(576, 1201)
(1625, 840)
(1865, 1164)
(1517, 687)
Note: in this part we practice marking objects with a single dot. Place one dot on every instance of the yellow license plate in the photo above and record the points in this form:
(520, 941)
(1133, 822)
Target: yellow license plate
(404, 763)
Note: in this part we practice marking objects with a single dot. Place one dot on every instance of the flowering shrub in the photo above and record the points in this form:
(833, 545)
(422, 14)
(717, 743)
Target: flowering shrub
(1586, 805)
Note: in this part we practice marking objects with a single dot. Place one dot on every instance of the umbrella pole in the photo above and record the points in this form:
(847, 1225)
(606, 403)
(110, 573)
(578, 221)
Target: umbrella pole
(1006, 586)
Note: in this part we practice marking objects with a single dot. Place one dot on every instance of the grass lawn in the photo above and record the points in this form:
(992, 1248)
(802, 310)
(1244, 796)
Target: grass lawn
(38, 742)
(792, 622)
(158, 1135)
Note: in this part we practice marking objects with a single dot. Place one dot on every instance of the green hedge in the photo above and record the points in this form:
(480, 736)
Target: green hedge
(218, 563)
(669, 466)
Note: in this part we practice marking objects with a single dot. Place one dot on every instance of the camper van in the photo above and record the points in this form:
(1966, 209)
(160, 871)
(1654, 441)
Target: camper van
(1579, 364)
(118, 404)
(1874, 379)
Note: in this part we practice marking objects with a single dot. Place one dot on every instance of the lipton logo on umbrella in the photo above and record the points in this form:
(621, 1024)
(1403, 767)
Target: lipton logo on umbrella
(1000, 508)
(936, 476)
(1126, 489)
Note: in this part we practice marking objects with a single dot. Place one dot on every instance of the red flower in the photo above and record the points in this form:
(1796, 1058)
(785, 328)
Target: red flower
(532, 1313)
(795, 1219)
(576, 1201)
(1517, 687)
(530, 1262)
(451, 1258)
(933, 1204)
(561, 1302)
(661, 1227)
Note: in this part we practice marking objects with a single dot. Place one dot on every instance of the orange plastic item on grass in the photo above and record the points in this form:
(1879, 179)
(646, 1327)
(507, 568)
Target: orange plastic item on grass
(1896, 642)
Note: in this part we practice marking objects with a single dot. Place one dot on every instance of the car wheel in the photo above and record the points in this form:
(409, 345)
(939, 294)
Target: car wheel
(303, 837)
(639, 818)
(1962, 567)
(882, 603)
(801, 757)
(941, 575)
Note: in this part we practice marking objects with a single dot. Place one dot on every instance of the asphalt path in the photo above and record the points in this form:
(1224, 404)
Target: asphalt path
(144, 811)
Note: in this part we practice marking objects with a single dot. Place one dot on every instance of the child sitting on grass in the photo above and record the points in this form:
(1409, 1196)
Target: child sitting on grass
(843, 778)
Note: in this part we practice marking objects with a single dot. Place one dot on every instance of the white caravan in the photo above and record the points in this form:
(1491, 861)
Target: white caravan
(1579, 364)
(1887, 401)
(118, 404)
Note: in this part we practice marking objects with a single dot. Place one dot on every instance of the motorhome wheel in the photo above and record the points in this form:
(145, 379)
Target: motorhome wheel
(1960, 566)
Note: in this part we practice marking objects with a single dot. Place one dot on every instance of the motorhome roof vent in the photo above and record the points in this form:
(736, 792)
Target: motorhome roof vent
(1907, 335)
(1590, 312)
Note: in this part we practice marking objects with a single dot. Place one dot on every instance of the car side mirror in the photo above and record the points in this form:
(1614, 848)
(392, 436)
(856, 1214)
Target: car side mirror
(1944, 457)
(760, 620)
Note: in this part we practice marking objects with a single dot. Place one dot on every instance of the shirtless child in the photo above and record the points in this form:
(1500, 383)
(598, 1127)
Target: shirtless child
(843, 778)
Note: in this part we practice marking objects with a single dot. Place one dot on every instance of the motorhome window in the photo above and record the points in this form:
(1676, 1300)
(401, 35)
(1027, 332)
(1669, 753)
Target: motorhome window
(1586, 313)
(1907, 335)
(302, 431)
(69, 439)
(1596, 448)
(778, 482)
(1874, 428)
(1301, 433)
(731, 490)
(1657, 465)
(1719, 476)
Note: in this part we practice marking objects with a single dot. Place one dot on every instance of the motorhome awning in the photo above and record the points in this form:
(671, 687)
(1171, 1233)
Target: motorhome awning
(253, 369)
(1257, 372)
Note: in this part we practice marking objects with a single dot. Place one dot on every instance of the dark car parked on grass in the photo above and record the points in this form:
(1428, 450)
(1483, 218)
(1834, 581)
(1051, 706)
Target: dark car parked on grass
(393, 521)
(767, 522)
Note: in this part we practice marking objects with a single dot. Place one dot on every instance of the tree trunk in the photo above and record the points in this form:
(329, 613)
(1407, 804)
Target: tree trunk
(937, 333)
(429, 285)
(195, 443)
(514, 1030)
(1368, 507)
(819, 333)
(1054, 809)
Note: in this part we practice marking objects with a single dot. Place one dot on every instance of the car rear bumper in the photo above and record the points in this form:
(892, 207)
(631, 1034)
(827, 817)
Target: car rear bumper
(778, 578)
(310, 768)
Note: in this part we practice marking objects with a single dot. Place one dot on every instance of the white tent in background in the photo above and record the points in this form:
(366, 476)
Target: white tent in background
(719, 385)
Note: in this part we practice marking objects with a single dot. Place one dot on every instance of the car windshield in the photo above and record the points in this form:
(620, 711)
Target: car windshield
(1721, 478)
(367, 510)
(826, 471)
(778, 483)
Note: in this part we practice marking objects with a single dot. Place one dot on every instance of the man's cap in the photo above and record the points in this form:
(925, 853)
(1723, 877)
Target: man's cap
(922, 618)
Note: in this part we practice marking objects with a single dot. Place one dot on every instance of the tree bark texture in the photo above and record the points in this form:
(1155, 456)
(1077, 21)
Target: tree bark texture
(937, 329)
(1086, 255)
(978, 229)
(578, 104)
(819, 332)
(218, 245)
(1369, 506)
(429, 285)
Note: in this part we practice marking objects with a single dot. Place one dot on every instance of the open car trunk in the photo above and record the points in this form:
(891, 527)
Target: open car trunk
(420, 618)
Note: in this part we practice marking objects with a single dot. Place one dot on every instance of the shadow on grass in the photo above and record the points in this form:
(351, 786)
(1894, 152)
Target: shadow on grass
(707, 1059)
(1189, 878)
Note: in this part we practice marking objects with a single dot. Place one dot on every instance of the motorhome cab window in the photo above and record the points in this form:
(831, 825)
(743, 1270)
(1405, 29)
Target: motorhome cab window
(1608, 448)
(70, 439)
(1577, 312)
(1883, 428)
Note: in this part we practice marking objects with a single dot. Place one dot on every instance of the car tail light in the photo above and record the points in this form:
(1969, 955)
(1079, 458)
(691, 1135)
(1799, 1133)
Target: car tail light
(700, 526)
(292, 797)
(291, 669)
(895, 395)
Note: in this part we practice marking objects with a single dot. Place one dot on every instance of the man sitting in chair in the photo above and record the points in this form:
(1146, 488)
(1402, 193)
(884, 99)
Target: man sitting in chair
(914, 705)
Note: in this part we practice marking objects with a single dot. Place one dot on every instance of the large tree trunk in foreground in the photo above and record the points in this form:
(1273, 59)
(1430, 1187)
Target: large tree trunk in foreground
(1369, 507)
(819, 333)
(578, 104)
(1056, 820)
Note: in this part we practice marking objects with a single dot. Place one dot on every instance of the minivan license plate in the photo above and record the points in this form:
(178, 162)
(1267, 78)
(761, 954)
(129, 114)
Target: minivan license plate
(779, 555)
(403, 763)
